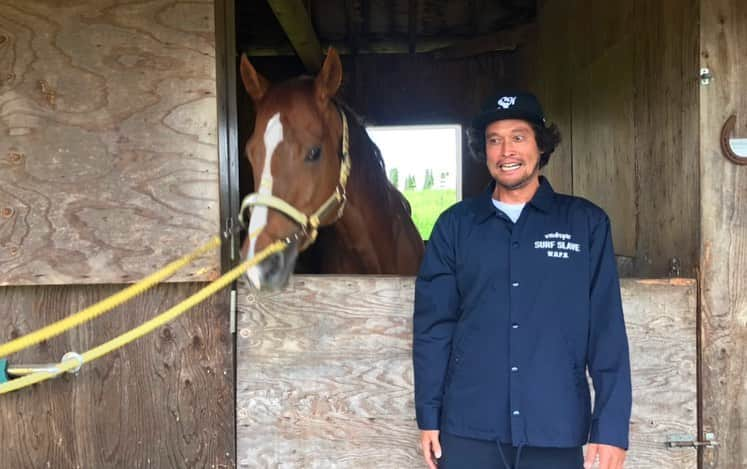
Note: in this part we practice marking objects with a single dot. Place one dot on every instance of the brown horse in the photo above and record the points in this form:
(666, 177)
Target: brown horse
(303, 146)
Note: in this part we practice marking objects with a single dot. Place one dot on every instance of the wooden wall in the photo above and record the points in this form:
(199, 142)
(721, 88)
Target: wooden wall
(108, 170)
(723, 225)
(163, 401)
(330, 385)
(108, 155)
(620, 80)
(424, 90)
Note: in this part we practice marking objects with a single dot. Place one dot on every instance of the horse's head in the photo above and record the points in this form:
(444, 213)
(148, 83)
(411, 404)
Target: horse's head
(295, 154)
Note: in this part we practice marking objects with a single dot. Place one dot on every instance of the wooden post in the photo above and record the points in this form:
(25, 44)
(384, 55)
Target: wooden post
(723, 233)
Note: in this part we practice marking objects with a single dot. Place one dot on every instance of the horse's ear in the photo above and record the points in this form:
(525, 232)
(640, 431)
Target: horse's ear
(330, 77)
(256, 85)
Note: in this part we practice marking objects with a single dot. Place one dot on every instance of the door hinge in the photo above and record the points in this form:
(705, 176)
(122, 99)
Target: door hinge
(688, 441)
(233, 310)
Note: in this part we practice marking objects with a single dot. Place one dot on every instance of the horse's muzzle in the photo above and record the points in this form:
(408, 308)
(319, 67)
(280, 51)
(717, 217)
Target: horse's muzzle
(275, 271)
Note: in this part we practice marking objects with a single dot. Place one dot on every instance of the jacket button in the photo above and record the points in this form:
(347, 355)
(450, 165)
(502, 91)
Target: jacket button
(515, 284)
(515, 325)
(515, 244)
(514, 369)
(516, 412)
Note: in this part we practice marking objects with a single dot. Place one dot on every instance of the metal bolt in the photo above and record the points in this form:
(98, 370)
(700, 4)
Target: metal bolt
(244, 333)
(705, 76)
(674, 267)
(7, 212)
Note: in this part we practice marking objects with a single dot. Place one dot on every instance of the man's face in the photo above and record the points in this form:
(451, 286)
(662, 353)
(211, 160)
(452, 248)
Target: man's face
(512, 153)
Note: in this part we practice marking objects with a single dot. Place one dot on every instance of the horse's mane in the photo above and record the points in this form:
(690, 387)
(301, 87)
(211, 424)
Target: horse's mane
(371, 163)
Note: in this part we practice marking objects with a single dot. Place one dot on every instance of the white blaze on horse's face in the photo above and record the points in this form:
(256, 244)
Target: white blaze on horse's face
(272, 138)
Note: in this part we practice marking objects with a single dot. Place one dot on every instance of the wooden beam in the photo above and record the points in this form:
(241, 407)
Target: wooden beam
(501, 41)
(373, 46)
(296, 23)
(399, 44)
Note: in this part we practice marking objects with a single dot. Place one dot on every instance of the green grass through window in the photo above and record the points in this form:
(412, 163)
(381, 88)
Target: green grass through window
(427, 205)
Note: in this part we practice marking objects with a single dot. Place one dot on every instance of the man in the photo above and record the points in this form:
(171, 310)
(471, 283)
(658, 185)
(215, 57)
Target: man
(517, 295)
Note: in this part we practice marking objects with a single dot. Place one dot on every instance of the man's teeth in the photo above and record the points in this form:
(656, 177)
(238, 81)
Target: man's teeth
(510, 165)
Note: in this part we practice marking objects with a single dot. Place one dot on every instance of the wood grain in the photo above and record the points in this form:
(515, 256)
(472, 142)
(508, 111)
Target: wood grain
(666, 136)
(618, 79)
(723, 225)
(546, 70)
(603, 128)
(163, 401)
(325, 380)
(108, 155)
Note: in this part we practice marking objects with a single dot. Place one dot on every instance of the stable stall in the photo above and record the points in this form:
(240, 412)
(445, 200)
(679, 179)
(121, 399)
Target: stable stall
(124, 125)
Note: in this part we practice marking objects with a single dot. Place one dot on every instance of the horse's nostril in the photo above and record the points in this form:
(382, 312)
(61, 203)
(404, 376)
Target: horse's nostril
(273, 264)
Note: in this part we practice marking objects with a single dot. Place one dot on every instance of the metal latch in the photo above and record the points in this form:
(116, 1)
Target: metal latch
(688, 441)
(229, 235)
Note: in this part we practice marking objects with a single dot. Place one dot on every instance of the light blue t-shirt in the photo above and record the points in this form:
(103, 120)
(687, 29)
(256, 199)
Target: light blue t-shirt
(512, 211)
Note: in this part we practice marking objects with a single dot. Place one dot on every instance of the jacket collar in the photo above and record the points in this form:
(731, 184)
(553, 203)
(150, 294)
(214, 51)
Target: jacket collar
(543, 200)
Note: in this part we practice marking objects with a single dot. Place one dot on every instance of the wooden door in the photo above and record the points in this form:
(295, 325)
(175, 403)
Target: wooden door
(325, 377)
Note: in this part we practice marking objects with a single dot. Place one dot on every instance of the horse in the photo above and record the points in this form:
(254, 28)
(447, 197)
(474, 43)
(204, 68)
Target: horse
(322, 185)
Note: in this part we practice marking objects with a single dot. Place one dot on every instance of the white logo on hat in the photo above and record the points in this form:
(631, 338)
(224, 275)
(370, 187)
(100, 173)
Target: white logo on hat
(507, 101)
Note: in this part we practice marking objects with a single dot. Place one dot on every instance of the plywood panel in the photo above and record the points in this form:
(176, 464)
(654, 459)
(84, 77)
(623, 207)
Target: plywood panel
(723, 225)
(164, 401)
(108, 156)
(603, 127)
(324, 373)
(660, 316)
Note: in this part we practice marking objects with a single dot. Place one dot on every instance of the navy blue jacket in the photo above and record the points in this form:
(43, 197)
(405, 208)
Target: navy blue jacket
(509, 316)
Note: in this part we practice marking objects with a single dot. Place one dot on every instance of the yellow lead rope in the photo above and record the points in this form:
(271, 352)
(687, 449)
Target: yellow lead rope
(143, 329)
(57, 328)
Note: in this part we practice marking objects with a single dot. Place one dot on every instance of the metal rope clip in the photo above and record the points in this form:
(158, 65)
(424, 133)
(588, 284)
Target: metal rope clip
(8, 372)
(73, 356)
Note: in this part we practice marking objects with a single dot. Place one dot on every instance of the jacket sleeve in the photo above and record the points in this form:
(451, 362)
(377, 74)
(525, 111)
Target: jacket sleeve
(609, 362)
(434, 321)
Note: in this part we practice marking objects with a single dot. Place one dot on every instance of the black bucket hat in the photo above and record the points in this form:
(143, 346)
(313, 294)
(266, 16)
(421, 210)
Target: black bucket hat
(510, 105)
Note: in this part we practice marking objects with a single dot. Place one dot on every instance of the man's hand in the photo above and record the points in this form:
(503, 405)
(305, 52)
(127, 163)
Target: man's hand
(610, 457)
(431, 447)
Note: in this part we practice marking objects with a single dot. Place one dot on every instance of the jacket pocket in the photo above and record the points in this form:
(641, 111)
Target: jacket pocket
(577, 369)
(457, 356)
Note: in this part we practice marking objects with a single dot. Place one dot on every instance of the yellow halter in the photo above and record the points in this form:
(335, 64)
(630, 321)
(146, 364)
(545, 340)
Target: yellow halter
(309, 223)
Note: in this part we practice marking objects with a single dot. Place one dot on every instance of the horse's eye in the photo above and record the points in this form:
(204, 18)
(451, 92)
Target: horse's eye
(314, 154)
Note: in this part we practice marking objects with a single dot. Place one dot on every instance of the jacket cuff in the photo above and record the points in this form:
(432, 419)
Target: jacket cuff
(609, 433)
(428, 418)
